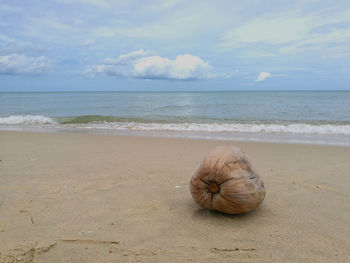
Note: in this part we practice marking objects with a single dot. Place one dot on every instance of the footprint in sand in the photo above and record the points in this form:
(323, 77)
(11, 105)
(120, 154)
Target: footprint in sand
(53, 189)
(145, 252)
(248, 253)
(2, 226)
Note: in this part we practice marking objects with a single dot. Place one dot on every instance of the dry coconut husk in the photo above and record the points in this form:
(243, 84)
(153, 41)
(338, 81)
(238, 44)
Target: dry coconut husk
(227, 182)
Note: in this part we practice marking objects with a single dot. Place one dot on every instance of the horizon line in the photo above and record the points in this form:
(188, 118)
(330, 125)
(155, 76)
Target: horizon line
(165, 91)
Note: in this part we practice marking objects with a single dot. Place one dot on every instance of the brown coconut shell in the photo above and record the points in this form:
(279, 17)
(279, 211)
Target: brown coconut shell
(227, 182)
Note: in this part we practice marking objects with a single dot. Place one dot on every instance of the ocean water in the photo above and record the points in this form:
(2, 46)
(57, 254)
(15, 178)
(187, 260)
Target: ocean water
(317, 117)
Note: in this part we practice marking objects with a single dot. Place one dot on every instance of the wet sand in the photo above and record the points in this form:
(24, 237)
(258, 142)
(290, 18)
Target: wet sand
(103, 198)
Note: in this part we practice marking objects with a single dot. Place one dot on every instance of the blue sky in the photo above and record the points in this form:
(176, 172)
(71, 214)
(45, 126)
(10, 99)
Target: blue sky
(63, 45)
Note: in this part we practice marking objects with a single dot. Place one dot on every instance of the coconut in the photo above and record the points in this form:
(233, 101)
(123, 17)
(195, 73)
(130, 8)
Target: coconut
(227, 182)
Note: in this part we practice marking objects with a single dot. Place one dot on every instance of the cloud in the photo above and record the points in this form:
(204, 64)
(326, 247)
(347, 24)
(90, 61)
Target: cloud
(326, 31)
(128, 58)
(262, 76)
(17, 64)
(143, 64)
(276, 30)
(88, 43)
(184, 67)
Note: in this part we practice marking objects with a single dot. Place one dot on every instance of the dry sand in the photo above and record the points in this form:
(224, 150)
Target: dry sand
(100, 198)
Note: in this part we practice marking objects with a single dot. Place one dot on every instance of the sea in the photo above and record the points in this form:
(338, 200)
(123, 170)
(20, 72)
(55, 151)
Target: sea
(305, 117)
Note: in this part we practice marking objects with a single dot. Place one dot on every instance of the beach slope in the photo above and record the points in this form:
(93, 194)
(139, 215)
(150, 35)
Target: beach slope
(102, 198)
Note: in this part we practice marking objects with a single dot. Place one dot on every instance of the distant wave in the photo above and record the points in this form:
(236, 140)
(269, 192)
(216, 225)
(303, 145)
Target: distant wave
(118, 123)
(96, 119)
(26, 119)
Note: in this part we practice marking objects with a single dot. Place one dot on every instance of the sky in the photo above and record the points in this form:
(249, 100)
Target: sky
(174, 45)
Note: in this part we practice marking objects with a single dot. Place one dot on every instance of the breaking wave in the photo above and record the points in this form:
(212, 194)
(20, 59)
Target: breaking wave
(117, 123)
(220, 127)
(26, 119)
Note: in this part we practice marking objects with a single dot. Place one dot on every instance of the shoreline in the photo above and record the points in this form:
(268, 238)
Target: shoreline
(72, 197)
(279, 138)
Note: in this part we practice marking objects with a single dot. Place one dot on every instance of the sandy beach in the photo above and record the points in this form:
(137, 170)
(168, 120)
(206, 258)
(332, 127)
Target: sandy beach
(101, 198)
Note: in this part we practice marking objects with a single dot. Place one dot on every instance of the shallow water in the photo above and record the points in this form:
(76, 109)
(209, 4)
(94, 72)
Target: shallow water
(251, 113)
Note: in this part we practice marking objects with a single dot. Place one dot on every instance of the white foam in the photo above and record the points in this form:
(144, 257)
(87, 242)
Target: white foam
(216, 127)
(25, 119)
(300, 128)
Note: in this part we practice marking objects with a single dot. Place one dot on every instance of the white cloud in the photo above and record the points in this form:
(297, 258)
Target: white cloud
(95, 3)
(184, 26)
(128, 58)
(165, 20)
(17, 64)
(184, 67)
(262, 76)
(144, 65)
(289, 33)
(277, 30)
